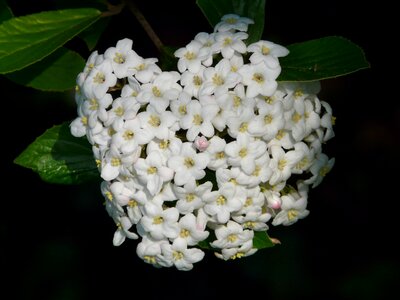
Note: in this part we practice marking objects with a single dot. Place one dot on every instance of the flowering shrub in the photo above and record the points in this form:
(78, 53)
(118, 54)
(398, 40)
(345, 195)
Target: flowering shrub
(205, 156)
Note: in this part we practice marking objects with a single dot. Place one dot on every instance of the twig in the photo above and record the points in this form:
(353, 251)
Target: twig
(146, 25)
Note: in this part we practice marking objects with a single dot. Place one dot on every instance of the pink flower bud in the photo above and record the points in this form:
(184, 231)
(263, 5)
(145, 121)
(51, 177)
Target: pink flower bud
(275, 204)
(201, 143)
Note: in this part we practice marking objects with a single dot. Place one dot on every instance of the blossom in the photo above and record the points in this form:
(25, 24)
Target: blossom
(291, 210)
(198, 119)
(159, 223)
(99, 80)
(153, 172)
(190, 231)
(206, 154)
(231, 22)
(223, 202)
(188, 165)
(182, 257)
(267, 52)
(259, 79)
(231, 235)
(191, 56)
(122, 57)
(190, 196)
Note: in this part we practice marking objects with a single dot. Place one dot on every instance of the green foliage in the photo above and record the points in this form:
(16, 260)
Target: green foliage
(58, 157)
(92, 34)
(323, 58)
(261, 240)
(5, 11)
(26, 40)
(56, 72)
(255, 10)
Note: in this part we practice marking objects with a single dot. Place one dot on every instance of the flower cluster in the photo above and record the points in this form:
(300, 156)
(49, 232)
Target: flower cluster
(209, 154)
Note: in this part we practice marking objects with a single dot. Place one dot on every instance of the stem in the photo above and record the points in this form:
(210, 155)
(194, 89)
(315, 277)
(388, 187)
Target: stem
(146, 25)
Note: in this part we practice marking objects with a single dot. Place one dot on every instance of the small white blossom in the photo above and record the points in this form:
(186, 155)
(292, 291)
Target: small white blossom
(231, 235)
(188, 165)
(232, 22)
(291, 210)
(190, 196)
(223, 202)
(152, 172)
(191, 56)
(180, 255)
(159, 223)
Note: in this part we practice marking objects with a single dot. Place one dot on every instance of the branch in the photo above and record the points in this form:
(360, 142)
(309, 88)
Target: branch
(146, 25)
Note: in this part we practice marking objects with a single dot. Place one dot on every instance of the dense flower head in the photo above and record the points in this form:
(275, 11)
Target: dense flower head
(209, 153)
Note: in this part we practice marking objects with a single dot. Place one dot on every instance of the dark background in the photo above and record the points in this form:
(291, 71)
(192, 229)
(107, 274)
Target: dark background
(56, 241)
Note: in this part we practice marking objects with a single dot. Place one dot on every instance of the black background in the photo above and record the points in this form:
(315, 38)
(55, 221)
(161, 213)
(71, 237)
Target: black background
(56, 241)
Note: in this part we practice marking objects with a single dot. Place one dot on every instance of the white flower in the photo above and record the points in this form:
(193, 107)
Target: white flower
(158, 222)
(145, 70)
(159, 124)
(152, 172)
(238, 252)
(123, 232)
(223, 202)
(93, 60)
(190, 231)
(244, 151)
(254, 202)
(135, 204)
(292, 210)
(216, 152)
(232, 22)
(230, 43)
(198, 119)
(327, 122)
(122, 58)
(239, 125)
(254, 220)
(171, 144)
(97, 107)
(161, 91)
(307, 159)
(179, 106)
(320, 167)
(190, 196)
(282, 138)
(131, 135)
(192, 82)
(282, 163)
(150, 251)
(268, 122)
(188, 165)
(191, 56)
(231, 235)
(115, 163)
(182, 257)
(219, 79)
(99, 80)
(259, 79)
(262, 172)
(122, 109)
(267, 52)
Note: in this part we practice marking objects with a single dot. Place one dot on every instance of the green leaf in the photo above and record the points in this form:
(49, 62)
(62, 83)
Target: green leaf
(168, 61)
(253, 9)
(5, 11)
(26, 40)
(59, 157)
(92, 34)
(261, 240)
(56, 72)
(323, 58)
